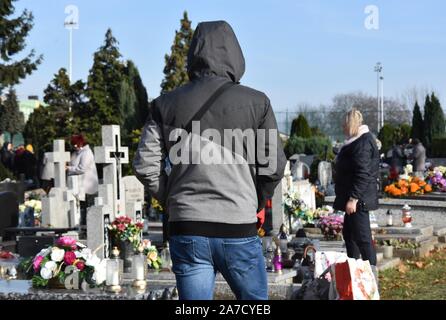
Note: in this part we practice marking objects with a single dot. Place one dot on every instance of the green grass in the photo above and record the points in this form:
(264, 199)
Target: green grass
(422, 279)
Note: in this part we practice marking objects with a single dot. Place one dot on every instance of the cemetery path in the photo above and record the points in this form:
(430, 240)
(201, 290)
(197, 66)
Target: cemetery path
(420, 279)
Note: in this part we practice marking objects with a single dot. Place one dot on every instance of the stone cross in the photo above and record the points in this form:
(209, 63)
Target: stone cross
(98, 220)
(55, 209)
(59, 157)
(73, 196)
(112, 155)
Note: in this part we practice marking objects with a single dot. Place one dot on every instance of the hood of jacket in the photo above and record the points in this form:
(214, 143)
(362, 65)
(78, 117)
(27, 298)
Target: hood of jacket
(215, 50)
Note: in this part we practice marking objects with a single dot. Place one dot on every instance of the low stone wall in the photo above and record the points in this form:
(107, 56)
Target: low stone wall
(424, 212)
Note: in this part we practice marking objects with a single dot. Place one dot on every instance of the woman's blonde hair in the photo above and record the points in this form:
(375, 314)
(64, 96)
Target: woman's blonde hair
(352, 122)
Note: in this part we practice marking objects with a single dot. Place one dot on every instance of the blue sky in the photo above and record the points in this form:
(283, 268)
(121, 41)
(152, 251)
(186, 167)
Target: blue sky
(295, 51)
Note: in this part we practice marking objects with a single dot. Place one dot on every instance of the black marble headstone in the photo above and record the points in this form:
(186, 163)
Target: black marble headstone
(9, 211)
(15, 187)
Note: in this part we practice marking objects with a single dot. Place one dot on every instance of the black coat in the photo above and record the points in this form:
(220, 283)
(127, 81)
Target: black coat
(357, 174)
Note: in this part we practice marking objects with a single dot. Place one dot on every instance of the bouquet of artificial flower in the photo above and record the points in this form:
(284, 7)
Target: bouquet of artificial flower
(36, 206)
(153, 257)
(124, 229)
(331, 226)
(437, 179)
(50, 263)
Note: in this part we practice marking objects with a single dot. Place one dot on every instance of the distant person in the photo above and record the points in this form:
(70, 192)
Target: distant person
(82, 163)
(30, 165)
(47, 174)
(7, 156)
(419, 158)
(356, 187)
(397, 157)
(19, 162)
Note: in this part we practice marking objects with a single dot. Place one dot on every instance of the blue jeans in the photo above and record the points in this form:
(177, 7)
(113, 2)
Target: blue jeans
(196, 260)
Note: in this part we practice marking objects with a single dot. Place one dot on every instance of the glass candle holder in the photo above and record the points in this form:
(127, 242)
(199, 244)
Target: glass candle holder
(113, 272)
(139, 269)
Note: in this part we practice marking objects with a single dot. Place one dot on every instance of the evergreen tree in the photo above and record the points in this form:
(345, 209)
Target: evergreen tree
(175, 70)
(103, 90)
(13, 33)
(134, 104)
(417, 123)
(40, 131)
(300, 127)
(438, 122)
(434, 121)
(61, 97)
(56, 121)
(11, 119)
(427, 132)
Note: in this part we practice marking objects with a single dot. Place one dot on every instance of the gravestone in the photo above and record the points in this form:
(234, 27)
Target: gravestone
(134, 197)
(55, 211)
(105, 191)
(275, 216)
(112, 155)
(306, 192)
(98, 220)
(300, 166)
(9, 213)
(133, 188)
(17, 187)
(325, 174)
(73, 196)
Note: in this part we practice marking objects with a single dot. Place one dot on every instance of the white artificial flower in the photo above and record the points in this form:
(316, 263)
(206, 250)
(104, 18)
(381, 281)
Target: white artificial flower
(22, 207)
(51, 265)
(38, 206)
(85, 253)
(57, 254)
(100, 272)
(32, 203)
(93, 261)
(46, 273)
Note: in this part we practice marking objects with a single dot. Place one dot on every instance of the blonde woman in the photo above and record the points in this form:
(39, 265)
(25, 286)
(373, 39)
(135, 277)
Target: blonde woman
(357, 169)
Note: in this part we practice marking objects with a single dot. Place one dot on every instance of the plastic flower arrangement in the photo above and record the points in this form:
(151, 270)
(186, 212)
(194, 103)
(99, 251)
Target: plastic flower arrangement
(437, 178)
(50, 263)
(295, 207)
(153, 257)
(36, 206)
(411, 186)
(331, 226)
(124, 229)
(156, 205)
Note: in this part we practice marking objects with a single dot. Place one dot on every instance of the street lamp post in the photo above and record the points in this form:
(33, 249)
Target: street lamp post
(380, 106)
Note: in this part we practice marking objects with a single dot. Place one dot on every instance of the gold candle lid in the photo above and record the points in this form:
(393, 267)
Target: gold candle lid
(141, 249)
(115, 252)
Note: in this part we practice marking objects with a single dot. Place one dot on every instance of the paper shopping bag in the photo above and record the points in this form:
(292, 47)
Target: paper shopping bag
(354, 280)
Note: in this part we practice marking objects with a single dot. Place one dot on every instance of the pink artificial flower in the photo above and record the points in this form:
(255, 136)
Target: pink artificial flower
(139, 225)
(36, 263)
(69, 258)
(66, 242)
(80, 265)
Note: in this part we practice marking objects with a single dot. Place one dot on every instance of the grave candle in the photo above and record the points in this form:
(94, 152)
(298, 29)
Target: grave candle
(113, 280)
(139, 269)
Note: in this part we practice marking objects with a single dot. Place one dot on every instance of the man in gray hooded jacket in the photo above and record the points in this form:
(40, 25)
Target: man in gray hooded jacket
(212, 190)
